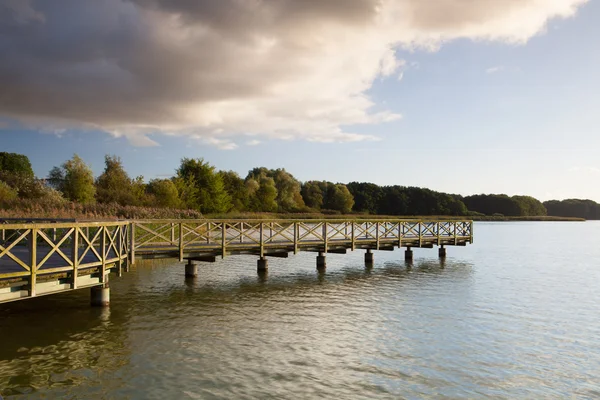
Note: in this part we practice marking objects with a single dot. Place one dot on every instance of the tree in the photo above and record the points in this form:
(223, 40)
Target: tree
(236, 187)
(263, 193)
(577, 208)
(367, 196)
(312, 194)
(75, 180)
(211, 196)
(164, 193)
(341, 199)
(14, 163)
(115, 185)
(7, 193)
(288, 197)
(530, 206)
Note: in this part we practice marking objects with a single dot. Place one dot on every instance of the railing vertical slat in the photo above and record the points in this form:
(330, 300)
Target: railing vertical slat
(262, 242)
(131, 243)
(119, 251)
(325, 236)
(377, 234)
(353, 237)
(471, 233)
(33, 261)
(103, 246)
(75, 256)
(296, 238)
(181, 244)
(223, 238)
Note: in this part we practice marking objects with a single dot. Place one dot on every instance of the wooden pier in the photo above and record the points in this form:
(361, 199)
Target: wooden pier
(41, 258)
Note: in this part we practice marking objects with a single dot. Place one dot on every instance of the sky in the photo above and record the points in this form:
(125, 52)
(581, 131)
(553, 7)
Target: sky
(460, 96)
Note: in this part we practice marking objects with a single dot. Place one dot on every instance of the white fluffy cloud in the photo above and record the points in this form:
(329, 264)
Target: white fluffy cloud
(218, 70)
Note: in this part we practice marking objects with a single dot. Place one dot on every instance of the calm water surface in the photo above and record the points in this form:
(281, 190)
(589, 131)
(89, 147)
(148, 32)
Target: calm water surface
(515, 315)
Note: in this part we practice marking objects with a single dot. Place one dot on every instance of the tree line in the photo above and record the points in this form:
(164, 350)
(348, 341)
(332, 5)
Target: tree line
(197, 185)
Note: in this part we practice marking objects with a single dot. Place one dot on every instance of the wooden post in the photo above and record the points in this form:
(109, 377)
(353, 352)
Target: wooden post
(296, 234)
(75, 257)
(131, 243)
(353, 237)
(241, 232)
(120, 251)
(400, 226)
(455, 234)
(420, 223)
(208, 233)
(471, 233)
(325, 236)
(438, 233)
(181, 246)
(172, 233)
(262, 245)
(223, 238)
(32, 261)
(377, 234)
(103, 247)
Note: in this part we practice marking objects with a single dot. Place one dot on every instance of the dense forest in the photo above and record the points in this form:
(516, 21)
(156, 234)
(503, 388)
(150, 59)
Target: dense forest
(197, 188)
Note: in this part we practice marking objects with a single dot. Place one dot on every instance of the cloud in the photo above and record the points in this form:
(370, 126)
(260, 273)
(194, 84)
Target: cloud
(282, 69)
(586, 170)
(253, 142)
(493, 70)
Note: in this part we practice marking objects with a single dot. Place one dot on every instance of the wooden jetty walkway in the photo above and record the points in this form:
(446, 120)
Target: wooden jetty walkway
(46, 257)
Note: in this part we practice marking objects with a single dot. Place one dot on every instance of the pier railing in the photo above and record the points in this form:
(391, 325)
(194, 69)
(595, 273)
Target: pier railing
(42, 257)
(38, 258)
(247, 236)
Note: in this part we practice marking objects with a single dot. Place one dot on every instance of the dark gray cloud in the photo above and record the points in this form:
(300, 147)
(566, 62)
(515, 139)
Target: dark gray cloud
(214, 69)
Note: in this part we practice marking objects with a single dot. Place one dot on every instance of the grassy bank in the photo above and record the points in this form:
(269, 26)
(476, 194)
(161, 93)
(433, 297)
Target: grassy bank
(50, 210)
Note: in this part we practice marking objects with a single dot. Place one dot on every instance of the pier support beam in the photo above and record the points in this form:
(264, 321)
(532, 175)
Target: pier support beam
(321, 261)
(369, 258)
(442, 252)
(262, 264)
(100, 296)
(408, 254)
(191, 269)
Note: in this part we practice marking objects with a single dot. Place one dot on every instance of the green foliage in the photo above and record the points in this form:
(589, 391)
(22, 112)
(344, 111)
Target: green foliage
(367, 197)
(14, 163)
(7, 193)
(115, 185)
(323, 195)
(75, 180)
(401, 200)
(515, 206)
(25, 185)
(188, 192)
(263, 193)
(312, 194)
(236, 187)
(211, 196)
(530, 206)
(163, 193)
(340, 199)
(288, 196)
(578, 208)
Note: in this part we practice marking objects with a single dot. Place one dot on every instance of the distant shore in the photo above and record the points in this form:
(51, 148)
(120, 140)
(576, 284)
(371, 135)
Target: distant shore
(375, 217)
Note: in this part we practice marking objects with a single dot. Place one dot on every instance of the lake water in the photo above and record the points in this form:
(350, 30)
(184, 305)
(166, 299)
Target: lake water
(515, 315)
